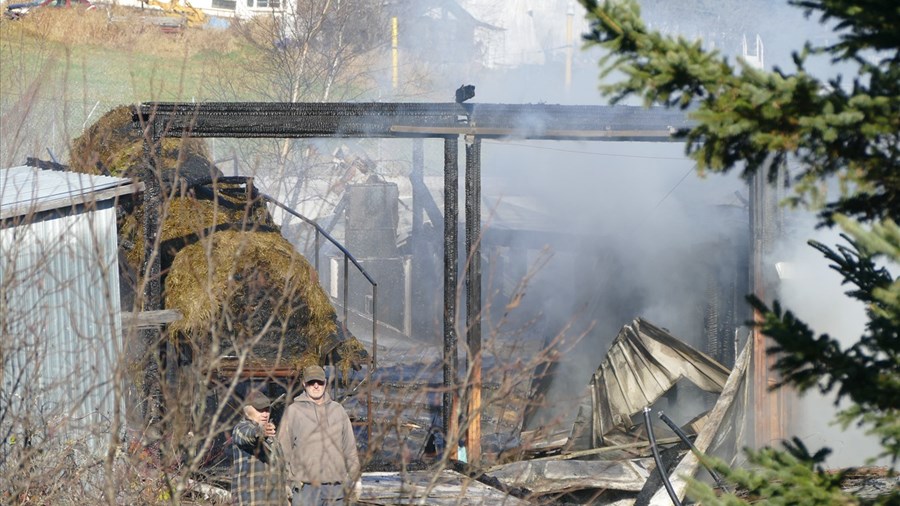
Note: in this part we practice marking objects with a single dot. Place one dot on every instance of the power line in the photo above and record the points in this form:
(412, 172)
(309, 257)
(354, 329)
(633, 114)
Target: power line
(676, 186)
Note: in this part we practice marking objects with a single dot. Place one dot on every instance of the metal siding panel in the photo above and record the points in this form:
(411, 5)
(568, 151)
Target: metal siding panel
(61, 279)
(23, 187)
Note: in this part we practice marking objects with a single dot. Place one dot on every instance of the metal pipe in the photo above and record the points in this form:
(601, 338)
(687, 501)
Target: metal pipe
(658, 459)
(374, 327)
(595, 403)
(680, 433)
(322, 231)
(372, 368)
(347, 290)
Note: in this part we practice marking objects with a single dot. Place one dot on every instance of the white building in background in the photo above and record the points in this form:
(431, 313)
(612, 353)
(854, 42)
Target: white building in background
(59, 302)
(214, 8)
(531, 32)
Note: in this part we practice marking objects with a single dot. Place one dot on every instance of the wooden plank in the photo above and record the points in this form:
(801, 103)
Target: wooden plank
(473, 416)
(688, 465)
(149, 319)
(602, 449)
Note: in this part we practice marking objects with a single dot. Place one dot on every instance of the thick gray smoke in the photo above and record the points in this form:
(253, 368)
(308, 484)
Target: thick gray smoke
(650, 236)
(813, 291)
(632, 230)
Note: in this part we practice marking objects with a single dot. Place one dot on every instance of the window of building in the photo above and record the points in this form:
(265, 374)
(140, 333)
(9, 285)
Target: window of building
(225, 4)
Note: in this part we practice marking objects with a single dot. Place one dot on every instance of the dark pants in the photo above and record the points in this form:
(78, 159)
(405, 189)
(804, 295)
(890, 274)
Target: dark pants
(330, 494)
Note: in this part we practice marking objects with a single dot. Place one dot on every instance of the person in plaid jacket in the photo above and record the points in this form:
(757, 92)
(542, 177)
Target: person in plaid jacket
(258, 477)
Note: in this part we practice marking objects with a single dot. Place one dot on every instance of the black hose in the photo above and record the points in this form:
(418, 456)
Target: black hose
(656, 457)
(715, 476)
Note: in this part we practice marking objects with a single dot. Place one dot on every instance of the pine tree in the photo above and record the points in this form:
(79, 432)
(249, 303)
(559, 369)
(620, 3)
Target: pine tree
(753, 120)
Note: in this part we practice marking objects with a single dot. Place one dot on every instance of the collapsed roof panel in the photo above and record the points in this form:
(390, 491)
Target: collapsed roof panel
(643, 363)
(718, 423)
(541, 477)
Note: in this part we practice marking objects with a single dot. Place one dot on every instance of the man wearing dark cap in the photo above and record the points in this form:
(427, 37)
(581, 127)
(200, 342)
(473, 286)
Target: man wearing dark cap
(319, 445)
(259, 476)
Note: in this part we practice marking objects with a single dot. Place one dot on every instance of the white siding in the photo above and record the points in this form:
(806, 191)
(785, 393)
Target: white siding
(60, 322)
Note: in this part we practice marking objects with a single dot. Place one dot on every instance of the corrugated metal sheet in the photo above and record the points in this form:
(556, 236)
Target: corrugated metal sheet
(59, 304)
(23, 189)
(643, 363)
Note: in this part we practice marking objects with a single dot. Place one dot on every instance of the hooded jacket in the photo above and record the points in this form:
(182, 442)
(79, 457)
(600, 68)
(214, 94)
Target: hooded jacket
(318, 442)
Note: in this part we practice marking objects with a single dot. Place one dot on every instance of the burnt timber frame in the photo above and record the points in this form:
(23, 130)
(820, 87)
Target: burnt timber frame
(448, 121)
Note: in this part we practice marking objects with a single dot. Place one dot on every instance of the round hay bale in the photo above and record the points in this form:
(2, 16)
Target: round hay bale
(112, 146)
(186, 219)
(257, 294)
(225, 265)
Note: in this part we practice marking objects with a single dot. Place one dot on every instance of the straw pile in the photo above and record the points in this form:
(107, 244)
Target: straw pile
(255, 293)
(242, 287)
(186, 219)
(112, 147)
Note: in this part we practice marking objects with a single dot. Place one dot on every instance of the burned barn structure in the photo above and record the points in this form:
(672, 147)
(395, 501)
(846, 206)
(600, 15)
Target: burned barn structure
(389, 292)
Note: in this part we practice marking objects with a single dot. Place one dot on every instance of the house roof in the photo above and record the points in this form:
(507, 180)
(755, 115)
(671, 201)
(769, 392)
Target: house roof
(25, 190)
(419, 8)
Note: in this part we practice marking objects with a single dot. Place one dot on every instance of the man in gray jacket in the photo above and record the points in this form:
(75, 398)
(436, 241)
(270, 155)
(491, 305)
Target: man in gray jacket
(319, 445)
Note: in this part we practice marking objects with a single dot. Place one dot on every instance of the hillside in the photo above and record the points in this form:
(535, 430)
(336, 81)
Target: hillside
(62, 68)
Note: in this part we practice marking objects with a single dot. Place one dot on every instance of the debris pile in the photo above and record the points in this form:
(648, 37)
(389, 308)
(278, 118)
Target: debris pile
(602, 452)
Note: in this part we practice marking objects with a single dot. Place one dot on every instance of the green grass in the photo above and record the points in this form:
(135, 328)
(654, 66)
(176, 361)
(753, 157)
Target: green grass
(63, 68)
(91, 70)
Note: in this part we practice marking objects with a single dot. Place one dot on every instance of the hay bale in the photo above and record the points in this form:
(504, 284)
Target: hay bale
(226, 266)
(112, 146)
(257, 295)
(185, 219)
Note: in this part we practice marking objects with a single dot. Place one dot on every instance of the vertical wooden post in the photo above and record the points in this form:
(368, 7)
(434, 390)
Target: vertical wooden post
(769, 407)
(152, 289)
(473, 296)
(451, 259)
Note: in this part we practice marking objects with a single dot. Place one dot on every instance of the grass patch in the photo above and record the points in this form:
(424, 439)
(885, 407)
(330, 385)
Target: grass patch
(86, 54)
(62, 68)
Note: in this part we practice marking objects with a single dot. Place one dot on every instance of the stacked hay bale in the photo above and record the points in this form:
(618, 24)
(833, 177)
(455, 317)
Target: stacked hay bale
(242, 288)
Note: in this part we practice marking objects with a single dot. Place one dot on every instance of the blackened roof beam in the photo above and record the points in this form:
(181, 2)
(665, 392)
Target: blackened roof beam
(399, 120)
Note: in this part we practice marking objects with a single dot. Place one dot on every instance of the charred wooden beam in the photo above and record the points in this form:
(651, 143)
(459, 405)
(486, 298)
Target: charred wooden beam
(473, 296)
(400, 120)
(451, 236)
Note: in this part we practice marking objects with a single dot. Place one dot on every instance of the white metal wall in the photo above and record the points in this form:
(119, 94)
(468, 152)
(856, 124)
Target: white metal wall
(60, 323)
